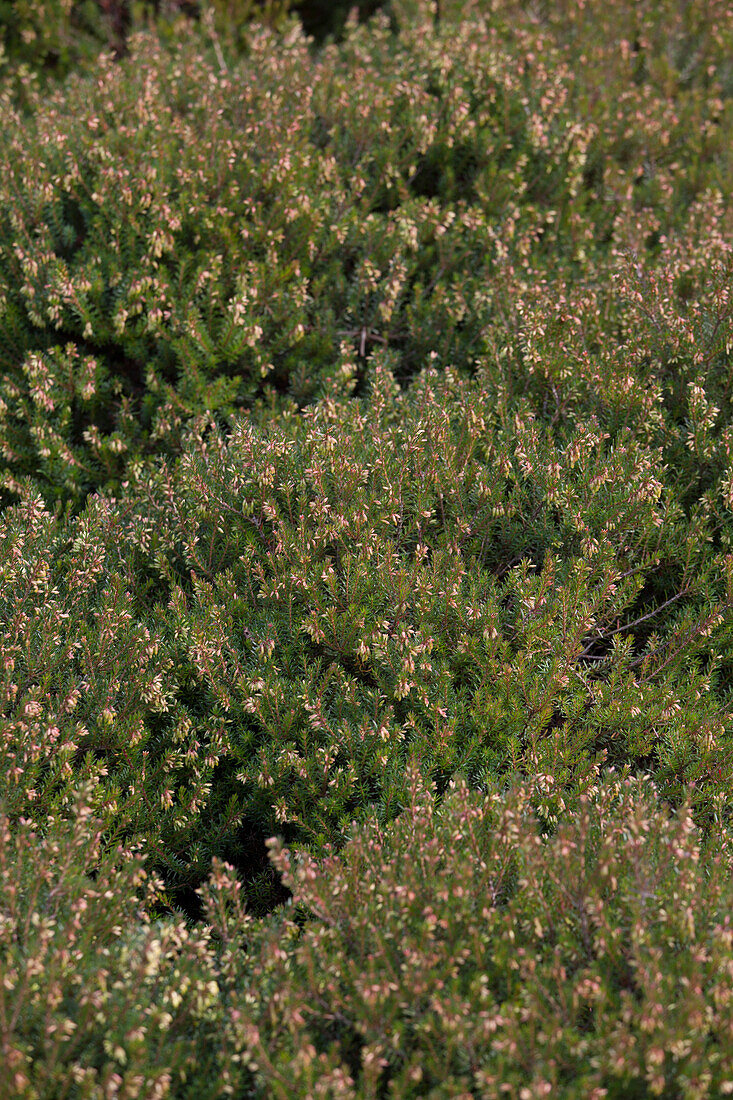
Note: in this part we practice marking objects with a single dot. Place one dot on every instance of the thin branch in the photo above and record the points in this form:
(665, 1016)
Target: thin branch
(603, 636)
(208, 18)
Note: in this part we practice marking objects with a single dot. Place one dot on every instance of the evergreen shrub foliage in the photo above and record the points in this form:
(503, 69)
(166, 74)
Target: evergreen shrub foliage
(365, 451)
(284, 619)
(96, 1000)
(181, 233)
(456, 953)
(276, 619)
(43, 41)
(47, 37)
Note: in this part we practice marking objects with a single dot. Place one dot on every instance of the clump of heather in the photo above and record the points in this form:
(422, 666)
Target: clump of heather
(456, 950)
(96, 999)
(365, 547)
(258, 633)
(186, 231)
(458, 953)
(43, 41)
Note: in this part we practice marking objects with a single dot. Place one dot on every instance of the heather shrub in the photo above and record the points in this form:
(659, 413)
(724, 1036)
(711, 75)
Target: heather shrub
(43, 41)
(257, 634)
(188, 232)
(458, 953)
(427, 561)
(366, 481)
(52, 36)
(83, 679)
(97, 1000)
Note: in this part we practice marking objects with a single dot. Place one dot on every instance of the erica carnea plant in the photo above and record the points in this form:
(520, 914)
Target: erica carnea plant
(97, 1000)
(255, 637)
(184, 232)
(457, 953)
(366, 474)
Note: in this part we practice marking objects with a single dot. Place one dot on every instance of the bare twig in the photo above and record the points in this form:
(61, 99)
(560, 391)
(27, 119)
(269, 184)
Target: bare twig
(208, 18)
(602, 636)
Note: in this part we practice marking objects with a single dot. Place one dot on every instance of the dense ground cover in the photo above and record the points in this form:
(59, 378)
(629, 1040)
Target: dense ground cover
(365, 453)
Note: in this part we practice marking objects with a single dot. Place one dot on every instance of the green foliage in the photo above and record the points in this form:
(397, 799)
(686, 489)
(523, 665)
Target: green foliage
(456, 953)
(49, 39)
(231, 18)
(182, 233)
(366, 481)
(256, 636)
(97, 1000)
(55, 36)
